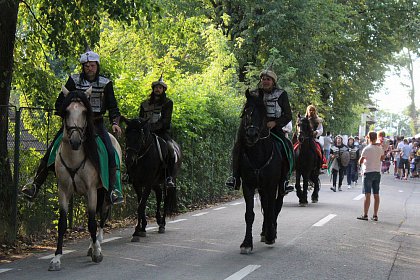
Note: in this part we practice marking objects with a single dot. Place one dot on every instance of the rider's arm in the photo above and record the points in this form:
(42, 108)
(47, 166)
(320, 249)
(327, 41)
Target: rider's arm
(319, 130)
(111, 104)
(286, 114)
(166, 118)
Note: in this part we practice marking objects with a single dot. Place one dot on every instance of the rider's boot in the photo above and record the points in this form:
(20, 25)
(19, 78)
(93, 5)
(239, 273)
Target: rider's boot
(31, 190)
(114, 195)
(288, 188)
(234, 181)
(170, 170)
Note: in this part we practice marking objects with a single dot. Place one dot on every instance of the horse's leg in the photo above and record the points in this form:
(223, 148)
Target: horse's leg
(305, 189)
(247, 245)
(103, 208)
(159, 219)
(269, 207)
(298, 187)
(315, 180)
(92, 225)
(263, 229)
(55, 263)
(136, 234)
(141, 216)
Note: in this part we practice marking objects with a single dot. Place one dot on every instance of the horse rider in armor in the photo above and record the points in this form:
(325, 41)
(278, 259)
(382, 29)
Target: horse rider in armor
(353, 163)
(340, 157)
(318, 129)
(101, 100)
(279, 115)
(158, 110)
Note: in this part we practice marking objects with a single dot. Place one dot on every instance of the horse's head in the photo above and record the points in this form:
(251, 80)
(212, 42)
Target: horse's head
(77, 117)
(303, 127)
(137, 133)
(254, 118)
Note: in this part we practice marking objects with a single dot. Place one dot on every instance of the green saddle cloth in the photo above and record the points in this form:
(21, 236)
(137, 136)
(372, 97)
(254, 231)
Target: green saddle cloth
(103, 162)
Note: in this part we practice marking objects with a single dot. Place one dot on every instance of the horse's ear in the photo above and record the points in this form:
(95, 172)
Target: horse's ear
(123, 119)
(88, 92)
(299, 116)
(247, 93)
(65, 91)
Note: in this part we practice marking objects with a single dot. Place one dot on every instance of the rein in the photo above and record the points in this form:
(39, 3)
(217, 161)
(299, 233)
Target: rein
(137, 151)
(257, 171)
(73, 171)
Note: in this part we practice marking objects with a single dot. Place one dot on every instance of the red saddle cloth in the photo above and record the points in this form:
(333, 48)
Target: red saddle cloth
(318, 151)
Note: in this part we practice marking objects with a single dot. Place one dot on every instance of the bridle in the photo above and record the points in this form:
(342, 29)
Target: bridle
(302, 135)
(248, 117)
(82, 136)
(144, 141)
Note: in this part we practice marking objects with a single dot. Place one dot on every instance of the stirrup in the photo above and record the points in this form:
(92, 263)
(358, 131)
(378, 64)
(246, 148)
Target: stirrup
(233, 182)
(30, 191)
(230, 182)
(116, 197)
(169, 182)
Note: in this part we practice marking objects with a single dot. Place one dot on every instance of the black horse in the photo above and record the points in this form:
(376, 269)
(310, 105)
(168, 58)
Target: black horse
(262, 167)
(146, 161)
(308, 161)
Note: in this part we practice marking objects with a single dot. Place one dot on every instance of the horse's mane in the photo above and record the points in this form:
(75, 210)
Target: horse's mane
(89, 146)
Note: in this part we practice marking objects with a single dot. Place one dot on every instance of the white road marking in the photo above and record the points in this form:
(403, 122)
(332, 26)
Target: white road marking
(359, 197)
(200, 214)
(220, 208)
(150, 228)
(52, 255)
(400, 191)
(243, 272)
(176, 221)
(5, 269)
(325, 220)
(110, 239)
(236, 203)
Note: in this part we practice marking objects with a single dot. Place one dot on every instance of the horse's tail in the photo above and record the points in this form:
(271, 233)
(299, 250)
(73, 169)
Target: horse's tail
(171, 207)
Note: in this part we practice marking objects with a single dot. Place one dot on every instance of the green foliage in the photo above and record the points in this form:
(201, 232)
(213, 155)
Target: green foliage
(332, 54)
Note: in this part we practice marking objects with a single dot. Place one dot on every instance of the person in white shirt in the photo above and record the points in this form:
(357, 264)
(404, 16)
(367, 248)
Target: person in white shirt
(371, 157)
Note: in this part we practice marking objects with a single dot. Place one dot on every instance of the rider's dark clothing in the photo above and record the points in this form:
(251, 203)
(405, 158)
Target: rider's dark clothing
(278, 110)
(103, 93)
(158, 110)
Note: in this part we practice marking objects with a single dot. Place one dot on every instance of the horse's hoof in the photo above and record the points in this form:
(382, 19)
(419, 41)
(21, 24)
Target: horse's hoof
(314, 200)
(89, 252)
(142, 234)
(262, 238)
(97, 259)
(270, 242)
(54, 266)
(303, 204)
(135, 238)
(161, 229)
(246, 250)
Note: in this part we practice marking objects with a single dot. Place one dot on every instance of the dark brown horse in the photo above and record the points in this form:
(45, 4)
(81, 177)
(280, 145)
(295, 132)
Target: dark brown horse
(308, 161)
(262, 167)
(146, 161)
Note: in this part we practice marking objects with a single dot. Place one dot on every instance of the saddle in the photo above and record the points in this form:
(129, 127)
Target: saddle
(103, 162)
(318, 150)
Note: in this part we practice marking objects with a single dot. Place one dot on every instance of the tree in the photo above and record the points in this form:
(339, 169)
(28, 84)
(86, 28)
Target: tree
(8, 19)
(63, 27)
(405, 67)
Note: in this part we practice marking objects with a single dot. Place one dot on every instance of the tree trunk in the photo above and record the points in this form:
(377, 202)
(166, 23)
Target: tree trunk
(8, 21)
(412, 107)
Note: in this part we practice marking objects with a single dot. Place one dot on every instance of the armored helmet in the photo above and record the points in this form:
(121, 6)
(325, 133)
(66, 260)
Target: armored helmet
(160, 82)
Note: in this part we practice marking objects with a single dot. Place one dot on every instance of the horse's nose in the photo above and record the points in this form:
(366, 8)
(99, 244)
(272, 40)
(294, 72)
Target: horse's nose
(75, 144)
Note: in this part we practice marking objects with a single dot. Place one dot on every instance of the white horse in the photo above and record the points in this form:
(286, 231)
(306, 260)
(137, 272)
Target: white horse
(76, 168)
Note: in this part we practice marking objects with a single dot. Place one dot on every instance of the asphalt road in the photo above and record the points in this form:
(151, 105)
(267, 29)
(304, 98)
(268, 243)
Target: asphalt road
(321, 241)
